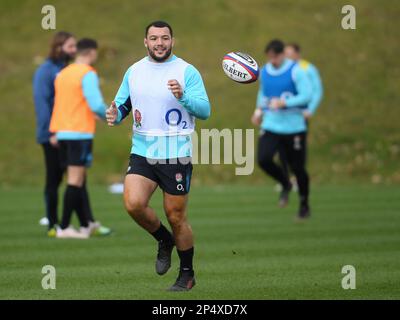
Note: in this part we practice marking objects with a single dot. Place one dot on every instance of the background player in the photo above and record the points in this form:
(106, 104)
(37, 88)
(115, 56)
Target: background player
(284, 94)
(166, 94)
(62, 50)
(77, 100)
(293, 51)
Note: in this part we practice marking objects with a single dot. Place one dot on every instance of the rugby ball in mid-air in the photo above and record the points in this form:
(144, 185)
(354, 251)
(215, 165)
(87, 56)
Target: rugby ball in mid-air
(240, 67)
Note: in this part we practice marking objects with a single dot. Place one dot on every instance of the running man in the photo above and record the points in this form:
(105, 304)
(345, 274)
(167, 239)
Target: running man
(284, 94)
(77, 100)
(293, 51)
(166, 94)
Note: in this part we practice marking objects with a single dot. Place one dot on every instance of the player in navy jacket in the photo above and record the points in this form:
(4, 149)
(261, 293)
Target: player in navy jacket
(63, 48)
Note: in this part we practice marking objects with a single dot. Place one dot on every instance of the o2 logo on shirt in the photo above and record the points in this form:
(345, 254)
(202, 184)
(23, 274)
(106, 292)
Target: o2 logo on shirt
(174, 118)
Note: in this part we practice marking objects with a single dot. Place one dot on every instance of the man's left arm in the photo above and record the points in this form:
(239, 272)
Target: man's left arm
(194, 98)
(303, 87)
(317, 89)
(92, 94)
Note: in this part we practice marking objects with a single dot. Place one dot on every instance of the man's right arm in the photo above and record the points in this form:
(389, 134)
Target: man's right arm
(256, 118)
(261, 99)
(123, 99)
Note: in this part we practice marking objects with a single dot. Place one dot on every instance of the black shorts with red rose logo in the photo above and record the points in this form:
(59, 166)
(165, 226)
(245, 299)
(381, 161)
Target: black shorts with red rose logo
(172, 175)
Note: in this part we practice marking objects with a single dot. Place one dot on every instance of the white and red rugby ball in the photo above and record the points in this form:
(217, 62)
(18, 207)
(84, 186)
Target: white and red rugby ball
(240, 67)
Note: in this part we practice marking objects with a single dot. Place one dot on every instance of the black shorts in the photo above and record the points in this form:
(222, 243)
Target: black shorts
(172, 175)
(76, 152)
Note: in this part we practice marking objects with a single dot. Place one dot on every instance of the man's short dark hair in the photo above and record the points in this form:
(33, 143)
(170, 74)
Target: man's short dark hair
(295, 46)
(158, 24)
(86, 44)
(276, 46)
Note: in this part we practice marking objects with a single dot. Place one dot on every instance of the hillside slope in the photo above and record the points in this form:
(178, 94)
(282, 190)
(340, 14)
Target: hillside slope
(354, 137)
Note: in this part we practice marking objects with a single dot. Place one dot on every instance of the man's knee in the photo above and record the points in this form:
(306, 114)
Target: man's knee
(75, 182)
(265, 160)
(76, 176)
(135, 207)
(51, 191)
(53, 184)
(299, 171)
(175, 215)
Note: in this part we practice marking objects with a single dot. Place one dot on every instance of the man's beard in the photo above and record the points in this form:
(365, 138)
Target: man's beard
(65, 57)
(160, 59)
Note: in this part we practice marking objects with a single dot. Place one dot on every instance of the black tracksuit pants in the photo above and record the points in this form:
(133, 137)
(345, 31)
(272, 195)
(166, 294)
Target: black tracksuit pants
(293, 147)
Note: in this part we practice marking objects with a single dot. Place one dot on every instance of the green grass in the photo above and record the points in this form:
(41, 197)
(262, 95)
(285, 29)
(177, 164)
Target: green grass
(246, 248)
(354, 135)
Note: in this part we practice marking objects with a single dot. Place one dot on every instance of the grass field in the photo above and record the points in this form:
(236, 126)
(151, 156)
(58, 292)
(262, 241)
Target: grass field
(246, 248)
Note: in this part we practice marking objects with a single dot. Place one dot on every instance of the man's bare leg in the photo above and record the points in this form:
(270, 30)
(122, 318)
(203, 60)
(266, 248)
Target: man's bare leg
(176, 210)
(175, 207)
(76, 175)
(137, 193)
